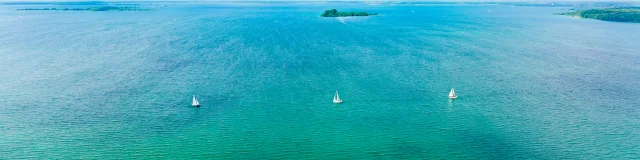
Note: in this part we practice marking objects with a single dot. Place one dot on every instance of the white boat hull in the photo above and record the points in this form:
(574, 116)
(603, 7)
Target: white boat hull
(194, 102)
(452, 94)
(336, 98)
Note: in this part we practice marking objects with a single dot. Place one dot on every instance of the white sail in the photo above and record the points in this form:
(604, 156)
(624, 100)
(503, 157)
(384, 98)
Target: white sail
(195, 102)
(452, 94)
(336, 98)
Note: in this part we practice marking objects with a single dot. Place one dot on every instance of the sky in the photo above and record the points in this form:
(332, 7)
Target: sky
(529, 1)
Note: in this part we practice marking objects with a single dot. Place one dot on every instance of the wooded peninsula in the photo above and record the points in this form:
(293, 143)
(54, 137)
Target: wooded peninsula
(335, 13)
(624, 14)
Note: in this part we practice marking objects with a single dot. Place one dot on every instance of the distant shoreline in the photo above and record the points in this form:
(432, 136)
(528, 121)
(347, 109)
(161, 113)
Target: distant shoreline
(100, 8)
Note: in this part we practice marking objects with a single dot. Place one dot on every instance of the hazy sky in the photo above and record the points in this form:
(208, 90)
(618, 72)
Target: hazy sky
(531, 1)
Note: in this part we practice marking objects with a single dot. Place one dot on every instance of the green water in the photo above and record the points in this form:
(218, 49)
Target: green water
(118, 85)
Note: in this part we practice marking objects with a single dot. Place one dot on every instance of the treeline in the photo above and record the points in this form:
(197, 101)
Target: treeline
(57, 3)
(125, 4)
(335, 13)
(100, 8)
(625, 14)
(53, 9)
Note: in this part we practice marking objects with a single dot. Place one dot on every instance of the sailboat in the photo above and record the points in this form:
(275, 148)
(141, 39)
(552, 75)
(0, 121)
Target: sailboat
(336, 98)
(452, 94)
(195, 102)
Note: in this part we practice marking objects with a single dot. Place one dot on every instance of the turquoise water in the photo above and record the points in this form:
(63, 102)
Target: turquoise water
(531, 85)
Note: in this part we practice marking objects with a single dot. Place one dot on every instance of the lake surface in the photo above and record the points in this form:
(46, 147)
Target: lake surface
(530, 85)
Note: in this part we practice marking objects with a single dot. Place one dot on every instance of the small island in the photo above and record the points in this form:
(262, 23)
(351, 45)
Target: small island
(335, 13)
(99, 8)
(624, 14)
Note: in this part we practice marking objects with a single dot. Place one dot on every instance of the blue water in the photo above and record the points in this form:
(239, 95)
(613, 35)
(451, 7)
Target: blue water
(118, 85)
